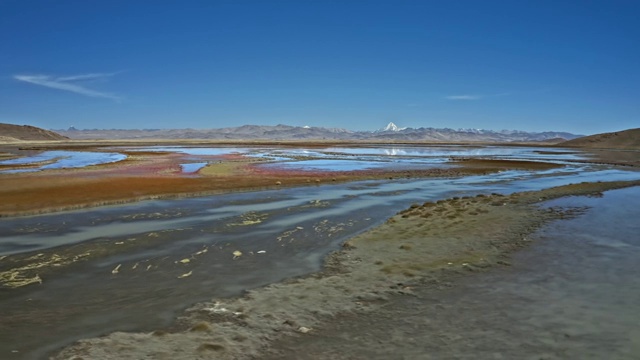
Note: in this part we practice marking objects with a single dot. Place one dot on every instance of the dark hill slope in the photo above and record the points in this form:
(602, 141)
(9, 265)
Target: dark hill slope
(27, 132)
(627, 139)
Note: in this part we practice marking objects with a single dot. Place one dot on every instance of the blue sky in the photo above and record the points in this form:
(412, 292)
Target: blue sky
(526, 65)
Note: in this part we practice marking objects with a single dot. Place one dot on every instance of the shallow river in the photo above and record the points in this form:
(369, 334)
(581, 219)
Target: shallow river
(576, 294)
(573, 294)
(141, 280)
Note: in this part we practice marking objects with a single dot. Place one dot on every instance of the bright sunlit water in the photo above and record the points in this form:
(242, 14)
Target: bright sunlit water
(63, 159)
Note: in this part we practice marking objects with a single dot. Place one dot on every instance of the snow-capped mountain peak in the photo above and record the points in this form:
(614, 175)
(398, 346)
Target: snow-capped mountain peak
(392, 127)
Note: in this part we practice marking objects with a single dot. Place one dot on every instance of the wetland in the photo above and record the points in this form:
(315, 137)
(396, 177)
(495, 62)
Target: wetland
(230, 252)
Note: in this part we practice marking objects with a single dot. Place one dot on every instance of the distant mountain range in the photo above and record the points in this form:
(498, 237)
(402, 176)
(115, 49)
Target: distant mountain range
(627, 139)
(391, 132)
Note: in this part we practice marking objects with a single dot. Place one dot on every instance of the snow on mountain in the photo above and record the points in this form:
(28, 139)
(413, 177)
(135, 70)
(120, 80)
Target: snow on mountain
(391, 127)
(472, 131)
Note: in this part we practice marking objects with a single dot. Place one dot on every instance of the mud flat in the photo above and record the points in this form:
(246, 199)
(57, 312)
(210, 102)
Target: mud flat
(159, 175)
(426, 245)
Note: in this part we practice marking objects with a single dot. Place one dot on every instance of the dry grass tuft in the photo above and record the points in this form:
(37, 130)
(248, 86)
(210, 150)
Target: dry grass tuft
(211, 347)
(202, 326)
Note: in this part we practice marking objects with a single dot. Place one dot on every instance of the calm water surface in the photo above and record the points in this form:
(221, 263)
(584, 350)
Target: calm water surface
(63, 159)
(574, 294)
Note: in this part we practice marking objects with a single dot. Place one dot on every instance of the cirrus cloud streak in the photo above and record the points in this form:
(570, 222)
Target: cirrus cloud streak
(69, 83)
(463, 97)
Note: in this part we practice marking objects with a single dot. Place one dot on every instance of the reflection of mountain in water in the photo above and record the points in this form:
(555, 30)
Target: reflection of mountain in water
(394, 151)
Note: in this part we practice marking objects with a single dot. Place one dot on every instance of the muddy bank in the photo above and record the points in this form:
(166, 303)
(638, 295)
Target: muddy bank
(429, 243)
(572, 295)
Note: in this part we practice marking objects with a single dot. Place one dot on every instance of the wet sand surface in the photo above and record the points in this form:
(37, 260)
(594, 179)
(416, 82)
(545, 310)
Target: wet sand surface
(573, 294)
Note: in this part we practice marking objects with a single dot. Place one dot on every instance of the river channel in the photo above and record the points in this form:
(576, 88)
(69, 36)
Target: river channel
(159, 257)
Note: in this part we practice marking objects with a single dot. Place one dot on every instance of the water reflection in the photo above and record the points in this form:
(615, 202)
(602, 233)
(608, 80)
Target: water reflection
(63, 159)
(197, 151)
(329, 159)
(465, 151)
(192, 167)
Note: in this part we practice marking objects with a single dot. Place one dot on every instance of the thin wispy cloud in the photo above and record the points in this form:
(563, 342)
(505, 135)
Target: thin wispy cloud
(70, 83)
(91, 76)
(463, 97)
(475, 96)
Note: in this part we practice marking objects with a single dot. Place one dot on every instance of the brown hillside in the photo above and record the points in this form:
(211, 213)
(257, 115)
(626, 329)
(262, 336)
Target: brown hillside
(627, 139)
(27, 132)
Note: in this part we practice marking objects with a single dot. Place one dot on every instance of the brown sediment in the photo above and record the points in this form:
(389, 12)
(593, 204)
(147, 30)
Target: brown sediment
(504, 164)
(427, 243)
(7, 155)
(33, 165)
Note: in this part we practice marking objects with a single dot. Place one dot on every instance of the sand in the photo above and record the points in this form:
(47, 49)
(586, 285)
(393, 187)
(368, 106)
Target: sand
(427, 245)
